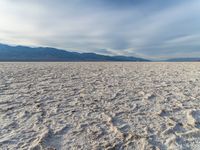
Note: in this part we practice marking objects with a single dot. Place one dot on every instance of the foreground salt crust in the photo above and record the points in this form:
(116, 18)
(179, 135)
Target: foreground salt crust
(99, 106)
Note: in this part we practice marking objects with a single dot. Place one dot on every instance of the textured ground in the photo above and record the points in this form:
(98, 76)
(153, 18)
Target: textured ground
(99, 106)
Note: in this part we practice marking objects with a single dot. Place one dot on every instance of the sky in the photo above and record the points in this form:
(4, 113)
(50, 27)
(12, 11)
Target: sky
(154, 29)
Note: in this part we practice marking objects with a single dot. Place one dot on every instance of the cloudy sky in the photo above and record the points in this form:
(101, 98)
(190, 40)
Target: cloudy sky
(147, 28)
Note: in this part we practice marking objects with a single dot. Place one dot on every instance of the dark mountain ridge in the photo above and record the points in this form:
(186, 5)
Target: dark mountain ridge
(25, 53)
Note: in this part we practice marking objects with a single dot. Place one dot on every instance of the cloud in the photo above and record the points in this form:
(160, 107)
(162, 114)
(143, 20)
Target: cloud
(152, 29)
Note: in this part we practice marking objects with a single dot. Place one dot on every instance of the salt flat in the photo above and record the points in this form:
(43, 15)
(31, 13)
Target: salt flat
(99, 106)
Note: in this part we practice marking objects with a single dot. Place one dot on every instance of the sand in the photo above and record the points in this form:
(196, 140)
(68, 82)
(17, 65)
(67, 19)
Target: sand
(99, 106)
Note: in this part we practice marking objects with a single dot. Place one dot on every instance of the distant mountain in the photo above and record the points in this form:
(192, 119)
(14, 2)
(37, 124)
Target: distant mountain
(183, 59)
(24, 53)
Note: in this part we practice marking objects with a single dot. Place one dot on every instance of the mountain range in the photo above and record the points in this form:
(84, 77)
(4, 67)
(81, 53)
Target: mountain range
(184, 59)
(25, 53)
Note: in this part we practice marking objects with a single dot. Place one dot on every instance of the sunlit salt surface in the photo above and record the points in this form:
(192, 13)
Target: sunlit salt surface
(99, 106)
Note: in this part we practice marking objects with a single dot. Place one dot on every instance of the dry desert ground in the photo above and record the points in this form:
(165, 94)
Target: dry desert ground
(99, 105)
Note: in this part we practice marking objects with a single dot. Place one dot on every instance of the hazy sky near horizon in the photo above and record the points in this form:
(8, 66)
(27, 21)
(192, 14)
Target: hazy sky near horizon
(145, 28)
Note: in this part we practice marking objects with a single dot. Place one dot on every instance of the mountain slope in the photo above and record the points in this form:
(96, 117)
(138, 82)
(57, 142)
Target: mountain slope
(24, 53)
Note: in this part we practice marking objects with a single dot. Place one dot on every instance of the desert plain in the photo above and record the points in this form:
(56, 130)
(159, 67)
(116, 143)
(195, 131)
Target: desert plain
(99, 105)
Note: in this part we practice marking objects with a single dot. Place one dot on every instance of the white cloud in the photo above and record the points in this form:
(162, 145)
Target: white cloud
(74, 25)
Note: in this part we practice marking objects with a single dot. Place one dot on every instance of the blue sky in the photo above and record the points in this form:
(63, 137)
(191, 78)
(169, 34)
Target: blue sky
(154, 29)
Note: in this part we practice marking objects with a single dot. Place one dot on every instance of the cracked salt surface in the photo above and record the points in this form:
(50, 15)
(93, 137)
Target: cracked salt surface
(99, 106)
